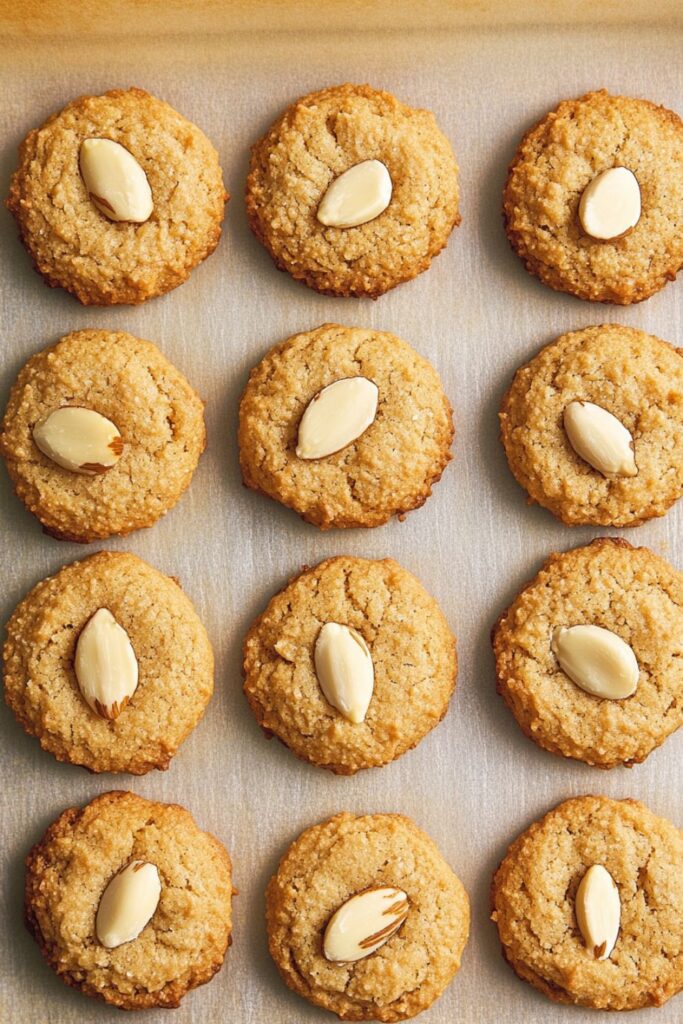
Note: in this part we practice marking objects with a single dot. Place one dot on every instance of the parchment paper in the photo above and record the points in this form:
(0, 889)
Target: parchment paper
(475, 782)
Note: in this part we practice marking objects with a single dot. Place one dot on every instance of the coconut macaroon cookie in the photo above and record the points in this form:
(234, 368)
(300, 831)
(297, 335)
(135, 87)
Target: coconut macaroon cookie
(117, 197)
(593, 426)
(108, 665)
(345, 425)
(589, 905)
(352, 191)
(130, 901)
(589, 655)
(101, 435)
(593, 198)
(365, 918)
(352, 664)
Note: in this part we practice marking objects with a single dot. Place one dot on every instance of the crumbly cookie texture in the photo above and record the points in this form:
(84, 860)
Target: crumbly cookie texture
(175, 664)
(388, 470)
(76, 247)
(534, 891)
(160, 418)
(317, 139)
(629, 591)
(186, 940)
(413, 653)
(333, 861)
(555, 162)
(638, 379)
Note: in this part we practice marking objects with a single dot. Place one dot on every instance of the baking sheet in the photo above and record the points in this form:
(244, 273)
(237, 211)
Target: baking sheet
(475, 782)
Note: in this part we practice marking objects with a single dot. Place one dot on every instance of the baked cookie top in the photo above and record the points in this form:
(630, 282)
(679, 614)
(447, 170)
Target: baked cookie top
(555, 162)
(408, 648)
(159, 417)
(76, 246)
(170, 645)
(638, 598)
(184, 942)
(534, 898)
(319, 138)
(631, 375)
(388, 469)
(338, 859)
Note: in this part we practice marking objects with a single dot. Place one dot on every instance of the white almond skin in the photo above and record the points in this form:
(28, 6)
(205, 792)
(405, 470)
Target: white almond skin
(105, 665)
(597, 660)
(78, 439)
(343, 665)
(364, 923)
(115, 181)
(128, 904)
(600, 438)
(336, 417)
(356, 196)
(598, 911)
(610, 204)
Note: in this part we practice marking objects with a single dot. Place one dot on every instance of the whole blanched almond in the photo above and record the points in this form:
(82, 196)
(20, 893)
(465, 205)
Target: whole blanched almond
(115, 181)
(610, 204)
(356, 196)
(597, 660)
(598, 911)
(364, 923)
(105, 665)
(336, 416)
(343, 665)
(79, 439)
(128, 904)
(600, 438)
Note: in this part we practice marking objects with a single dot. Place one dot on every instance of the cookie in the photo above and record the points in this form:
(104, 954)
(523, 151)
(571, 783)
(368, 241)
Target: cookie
(632, 376)
(71, 236)
(369, 471)
(537, 904)
(129, 389)
(407, 187)
(70, 707)
(179, 946)
(342, 858)
(562, 156)
(372, 621)
(552, 677)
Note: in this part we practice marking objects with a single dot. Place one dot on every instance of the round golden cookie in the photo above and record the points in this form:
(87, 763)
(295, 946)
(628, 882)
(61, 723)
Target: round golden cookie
(632, 375)
(159, 416)
(75, 246)
(388, 470)
(534, 892)
(555, 162)
(173, 652)
(327, 865)
(319, 138)
(184, 943)
(628, 591)
(413, 655)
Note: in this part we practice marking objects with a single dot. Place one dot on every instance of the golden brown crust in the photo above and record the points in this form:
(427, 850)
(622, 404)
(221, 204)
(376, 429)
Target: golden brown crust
(318, 138)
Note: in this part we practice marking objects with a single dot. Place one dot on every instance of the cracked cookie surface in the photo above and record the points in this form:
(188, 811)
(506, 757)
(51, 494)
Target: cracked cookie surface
(186, 940)
(555, 162)
(629, 591)
(388, 470)
(175, 664)
(637, 378)
(317, 139)
(76, 247)
(412, 649)
(333, 861)
(533, 896)
(159, 416)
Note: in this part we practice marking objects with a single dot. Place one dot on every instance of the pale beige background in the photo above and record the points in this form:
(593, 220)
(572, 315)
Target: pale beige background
(476, 781)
